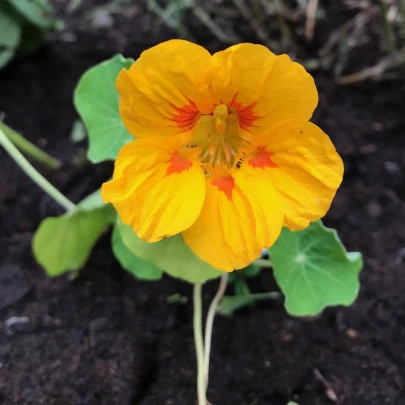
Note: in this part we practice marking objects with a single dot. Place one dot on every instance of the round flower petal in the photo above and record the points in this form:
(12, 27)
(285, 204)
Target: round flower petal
(262, 87)
(241, 215)
(157, 189)
(306, 170)
(160, 94)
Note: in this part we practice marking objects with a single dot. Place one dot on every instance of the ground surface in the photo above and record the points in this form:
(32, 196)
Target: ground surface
(109, 339)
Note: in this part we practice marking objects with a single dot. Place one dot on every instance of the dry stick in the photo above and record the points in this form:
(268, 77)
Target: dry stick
(311, 18)
(210, 322)
(215, 29)
(359, 20)
(389, 62)
(255, 23)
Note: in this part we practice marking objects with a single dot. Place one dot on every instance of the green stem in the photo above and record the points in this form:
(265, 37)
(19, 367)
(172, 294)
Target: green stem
(28, 148)
(199, 344)
(210, 323)
(265, 263)
(388, 28)
(34, 174)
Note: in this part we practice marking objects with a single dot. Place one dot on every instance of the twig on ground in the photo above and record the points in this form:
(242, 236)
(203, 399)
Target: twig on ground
(375, 72)
(254, 22)
(359, 20)
(215, 29)
(311, 19)
(330, 392)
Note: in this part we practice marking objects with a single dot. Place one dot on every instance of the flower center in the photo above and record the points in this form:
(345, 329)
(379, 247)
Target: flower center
(217, 137)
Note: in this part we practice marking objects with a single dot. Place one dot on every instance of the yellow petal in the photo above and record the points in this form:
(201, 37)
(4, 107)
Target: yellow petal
(305, 169)
(242, 215)
(159, 94)
(156, 188)
(263, 87)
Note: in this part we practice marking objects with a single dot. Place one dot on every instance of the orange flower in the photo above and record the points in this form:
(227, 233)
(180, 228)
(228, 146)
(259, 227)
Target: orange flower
(224, 151)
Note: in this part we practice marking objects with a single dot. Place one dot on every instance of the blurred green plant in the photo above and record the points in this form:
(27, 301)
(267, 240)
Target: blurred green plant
(23, 24)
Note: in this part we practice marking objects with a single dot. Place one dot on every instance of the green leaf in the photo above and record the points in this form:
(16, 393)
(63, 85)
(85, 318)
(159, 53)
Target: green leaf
(170, 254)
(251, 271)
(142, 269)
(314, 270)
(232, 303)
(10, 35)
(37, 12)
(96, 100)
(93, 201)
(64, 243)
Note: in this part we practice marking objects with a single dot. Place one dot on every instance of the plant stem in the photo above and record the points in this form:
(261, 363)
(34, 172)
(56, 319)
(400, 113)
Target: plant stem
(199, 344)
(30, 149)
(265, 263)
(34, 174)
(210, 322)
(388, 28)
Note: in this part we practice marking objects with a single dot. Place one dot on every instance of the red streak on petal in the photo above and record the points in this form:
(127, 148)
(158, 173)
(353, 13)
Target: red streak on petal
(178, 163)
(246, 115)
(225, 184)
(186, 116)
(262, 159)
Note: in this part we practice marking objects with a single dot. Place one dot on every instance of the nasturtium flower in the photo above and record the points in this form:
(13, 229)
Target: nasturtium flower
(224, 153)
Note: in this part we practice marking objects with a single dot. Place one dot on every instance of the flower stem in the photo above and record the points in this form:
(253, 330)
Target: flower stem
(264, 263)
(28, 148)
(34, 174)
(199, 344)
(210, 322)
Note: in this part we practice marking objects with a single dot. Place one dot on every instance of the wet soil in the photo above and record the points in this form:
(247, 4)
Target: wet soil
(106, 338)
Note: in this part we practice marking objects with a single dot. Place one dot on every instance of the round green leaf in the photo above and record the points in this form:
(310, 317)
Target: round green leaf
(314, 270)
(170, 254)
(142, 269)
(10, 35)
(64, 243)
(96, 100)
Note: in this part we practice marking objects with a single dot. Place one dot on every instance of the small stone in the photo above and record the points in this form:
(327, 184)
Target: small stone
(374, 209)
(102, 20)
(13, 285)
(16, 324)
(392, 167)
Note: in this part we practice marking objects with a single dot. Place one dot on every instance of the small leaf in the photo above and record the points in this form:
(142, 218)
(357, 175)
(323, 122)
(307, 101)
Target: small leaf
(251, 271)
(96, 100)
(10, 35)
(78, 133)
(170, 254)
(37, 12)
(142, 269)
(64, 243)
(232, 303)
(314, 270)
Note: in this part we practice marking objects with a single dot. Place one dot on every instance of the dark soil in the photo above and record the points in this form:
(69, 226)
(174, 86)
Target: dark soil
(106, 338)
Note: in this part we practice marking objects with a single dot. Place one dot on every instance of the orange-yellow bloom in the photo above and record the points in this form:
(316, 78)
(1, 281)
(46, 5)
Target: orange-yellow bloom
(224, 152)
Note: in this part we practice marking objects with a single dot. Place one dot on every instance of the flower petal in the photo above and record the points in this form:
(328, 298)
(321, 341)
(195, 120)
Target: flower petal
(242, 214)
(159, 94)
(306, 169)
(156, 188)
(263, 87)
